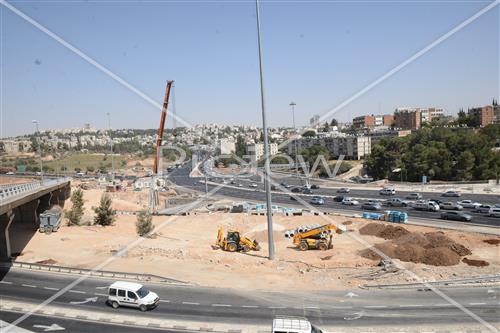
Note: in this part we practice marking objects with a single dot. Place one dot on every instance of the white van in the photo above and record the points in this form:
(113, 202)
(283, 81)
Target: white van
(293, 325)
(133, 295)
(430, 206)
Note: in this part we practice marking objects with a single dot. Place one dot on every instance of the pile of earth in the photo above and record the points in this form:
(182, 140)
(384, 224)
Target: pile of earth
(493, 241)
(432, 248)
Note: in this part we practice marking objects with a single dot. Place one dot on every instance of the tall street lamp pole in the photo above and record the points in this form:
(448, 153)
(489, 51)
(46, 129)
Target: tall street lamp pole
(292, 104)
(39, 148)
(267, 168)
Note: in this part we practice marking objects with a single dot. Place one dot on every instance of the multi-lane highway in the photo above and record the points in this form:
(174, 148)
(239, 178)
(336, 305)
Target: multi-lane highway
(245, 192)
(357, 308)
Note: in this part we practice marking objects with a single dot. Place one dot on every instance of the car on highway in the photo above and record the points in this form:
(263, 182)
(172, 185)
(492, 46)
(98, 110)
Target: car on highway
(314, 187)
(350, 202)
(483, 209)
(371, 206)
(240, 185)
(296, 190)
(450, 206)
(395, 202)
(426, 205)
(457, 216)
(307, 191)
(387, 191)
(438, 201)
(293, 198)
(10, 173)
(414, 196)
(285, 185)
(343, 190)
(338, 198)
(316, 200)
(468, 204)
(494, 212)
(131, 294)
(454, 194)
(253, 185)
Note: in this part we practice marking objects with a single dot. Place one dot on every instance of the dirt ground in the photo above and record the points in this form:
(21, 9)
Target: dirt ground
(181, 249)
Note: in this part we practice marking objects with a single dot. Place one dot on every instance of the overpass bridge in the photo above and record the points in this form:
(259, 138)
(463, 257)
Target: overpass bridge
(21, 205)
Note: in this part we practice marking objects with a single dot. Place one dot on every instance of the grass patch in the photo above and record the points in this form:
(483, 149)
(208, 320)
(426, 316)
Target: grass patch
(85, 162)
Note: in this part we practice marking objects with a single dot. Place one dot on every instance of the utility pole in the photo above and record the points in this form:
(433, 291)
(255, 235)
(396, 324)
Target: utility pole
(267, 168)
(292, 104)
(111, 148)
(39, 149)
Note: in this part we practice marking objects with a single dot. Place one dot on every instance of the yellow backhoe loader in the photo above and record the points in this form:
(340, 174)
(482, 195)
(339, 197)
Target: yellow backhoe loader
(317, 238)
(234, 241)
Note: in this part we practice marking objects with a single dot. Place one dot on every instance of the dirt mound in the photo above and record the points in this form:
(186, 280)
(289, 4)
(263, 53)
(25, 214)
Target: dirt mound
(476, 263)
(347, 223)
(47, 262)
(493, 241)
(432, 248)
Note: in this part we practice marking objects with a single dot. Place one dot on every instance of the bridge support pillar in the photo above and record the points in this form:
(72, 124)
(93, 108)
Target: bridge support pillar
(5, 222)
(29, 213)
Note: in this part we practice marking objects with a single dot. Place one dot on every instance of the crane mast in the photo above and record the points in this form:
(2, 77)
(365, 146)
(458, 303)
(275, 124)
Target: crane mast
(159, 137)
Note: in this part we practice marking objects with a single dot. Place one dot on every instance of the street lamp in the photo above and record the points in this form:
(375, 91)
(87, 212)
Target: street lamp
(292, 104)
(39, 149)
(267, 167)
(111, 148)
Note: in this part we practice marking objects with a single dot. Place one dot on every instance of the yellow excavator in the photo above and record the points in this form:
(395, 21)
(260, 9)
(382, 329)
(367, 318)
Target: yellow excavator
(235, 241)
(317, 238)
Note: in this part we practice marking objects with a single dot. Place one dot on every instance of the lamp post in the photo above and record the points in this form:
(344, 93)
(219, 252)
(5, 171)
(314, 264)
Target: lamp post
(292, 104)
(39, 149)
(267, 168)
(111, 148)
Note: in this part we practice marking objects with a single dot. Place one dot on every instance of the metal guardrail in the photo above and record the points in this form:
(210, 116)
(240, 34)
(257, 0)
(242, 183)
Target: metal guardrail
(94, 273)
(14, 190)
(471, 280)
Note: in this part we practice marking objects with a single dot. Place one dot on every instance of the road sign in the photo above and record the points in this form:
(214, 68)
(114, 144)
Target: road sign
(424, 180)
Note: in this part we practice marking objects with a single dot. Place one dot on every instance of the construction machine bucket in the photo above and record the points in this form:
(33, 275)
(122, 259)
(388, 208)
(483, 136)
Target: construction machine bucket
(256, 245)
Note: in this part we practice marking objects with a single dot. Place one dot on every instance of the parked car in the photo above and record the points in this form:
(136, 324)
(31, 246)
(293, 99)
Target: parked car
(468, 204)
(343, 190)
(314, 187)
(450, 206)
(494, 212)
(457, 216)
(338, 198)
(317, 201)
(371, 206)
(396, 202)
(429, 206)
(414, 196)
(296, 190)
(387, 191)
(483, 209)
(350, 202)
(307, 191)
(451, 194)
(132, 295)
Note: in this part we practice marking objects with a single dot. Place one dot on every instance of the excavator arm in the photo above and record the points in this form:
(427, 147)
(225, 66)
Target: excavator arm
(314, 232)
(159, 137)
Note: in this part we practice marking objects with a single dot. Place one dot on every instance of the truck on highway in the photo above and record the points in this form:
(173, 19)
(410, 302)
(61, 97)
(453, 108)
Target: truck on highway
(396, 202)
(429, 206)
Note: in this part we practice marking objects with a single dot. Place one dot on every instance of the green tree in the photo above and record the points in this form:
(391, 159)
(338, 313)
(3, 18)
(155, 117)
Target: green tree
(309, 134)
(240, 146)
(334, 122)
(144, 223)
(105, 215)
(74, 215)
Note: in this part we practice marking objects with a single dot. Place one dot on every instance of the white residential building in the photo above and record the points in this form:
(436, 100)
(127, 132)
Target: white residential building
(226, 146)
(352, 147)
(256, 150)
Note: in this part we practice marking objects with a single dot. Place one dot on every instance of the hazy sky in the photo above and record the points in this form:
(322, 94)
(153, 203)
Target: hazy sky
(316, 53)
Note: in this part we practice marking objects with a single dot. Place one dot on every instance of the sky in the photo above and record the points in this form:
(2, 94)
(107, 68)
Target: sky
(315, 53)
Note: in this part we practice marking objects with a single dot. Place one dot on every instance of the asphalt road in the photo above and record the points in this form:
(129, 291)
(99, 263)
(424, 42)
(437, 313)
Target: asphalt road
(366, 308)
(181, 177)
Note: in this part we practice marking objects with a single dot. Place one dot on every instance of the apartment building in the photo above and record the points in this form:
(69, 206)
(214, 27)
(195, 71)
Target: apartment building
(226, 146)
(484, 115)
(352, 147)
(407, 118)
(256, 150)
(373, 121)
(431, 113)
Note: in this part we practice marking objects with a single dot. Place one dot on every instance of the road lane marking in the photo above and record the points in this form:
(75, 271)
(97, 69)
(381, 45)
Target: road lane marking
(50, 288)
(341, 307)
(164, 301)
(190, 303)
(409, 305)
(311, 307)
(477, 303)
(77, 291)
(28, 285)
(375, 306)
(250, 306)
(222, 305)
(99, 294)
(442, 304)
(276, 307)
(5, 282)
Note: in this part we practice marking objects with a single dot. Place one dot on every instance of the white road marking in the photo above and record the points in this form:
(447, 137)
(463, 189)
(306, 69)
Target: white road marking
(223, 305)
(50, 288)
(99, 294)
(190, 303)
(276, 307)
(311, 307)
(77, 291)
(442, 304)
(164, 301)
(28, 285)
(410, 305)
(249, 306)
(477, 303)
(341, 307)
(5, 282)
(375, 306)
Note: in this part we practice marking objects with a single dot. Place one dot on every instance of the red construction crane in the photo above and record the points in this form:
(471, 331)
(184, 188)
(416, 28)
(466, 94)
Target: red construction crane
(159, 137)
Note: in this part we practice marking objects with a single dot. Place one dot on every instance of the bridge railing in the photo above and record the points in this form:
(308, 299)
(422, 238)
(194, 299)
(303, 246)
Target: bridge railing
(13, 190)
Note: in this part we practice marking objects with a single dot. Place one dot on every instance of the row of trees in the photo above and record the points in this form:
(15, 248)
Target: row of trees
(438, 153)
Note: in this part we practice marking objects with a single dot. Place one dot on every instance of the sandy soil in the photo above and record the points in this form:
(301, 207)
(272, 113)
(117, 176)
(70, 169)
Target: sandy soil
(15, 180)
(182, 250)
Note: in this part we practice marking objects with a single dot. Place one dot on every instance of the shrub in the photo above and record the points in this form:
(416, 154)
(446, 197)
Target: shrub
(105, 215)
(144, 224)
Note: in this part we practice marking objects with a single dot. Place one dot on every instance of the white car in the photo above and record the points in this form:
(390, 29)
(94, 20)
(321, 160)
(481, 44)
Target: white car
(468, 204)
(133, 295)
(494, 212)
(387, 191)
(483, 209)
(350, 202)
(253, 185)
